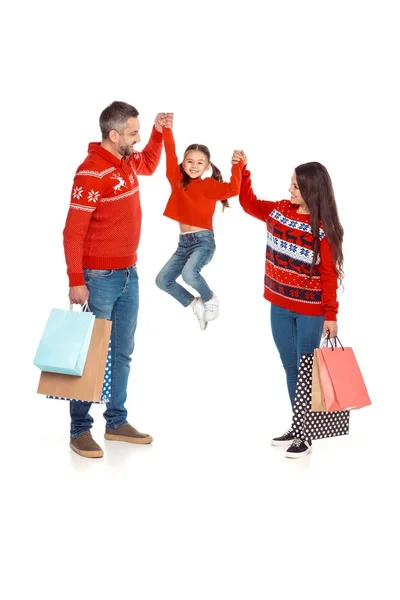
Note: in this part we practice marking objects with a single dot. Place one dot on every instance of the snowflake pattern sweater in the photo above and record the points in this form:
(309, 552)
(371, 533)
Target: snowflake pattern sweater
(196, 205)
(288, 258)
(102, 229)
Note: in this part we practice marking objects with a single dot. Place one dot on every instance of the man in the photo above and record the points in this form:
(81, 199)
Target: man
(101, 238)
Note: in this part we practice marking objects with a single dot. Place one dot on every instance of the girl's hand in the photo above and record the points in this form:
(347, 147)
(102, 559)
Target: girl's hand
(169, 120)
(237, 156)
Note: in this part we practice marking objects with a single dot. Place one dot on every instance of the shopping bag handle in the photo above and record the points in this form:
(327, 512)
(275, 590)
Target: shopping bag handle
(333, 342)
(85, 306)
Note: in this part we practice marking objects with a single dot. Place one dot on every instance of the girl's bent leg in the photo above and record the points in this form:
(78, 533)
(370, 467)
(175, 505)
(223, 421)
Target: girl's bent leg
(166, 279)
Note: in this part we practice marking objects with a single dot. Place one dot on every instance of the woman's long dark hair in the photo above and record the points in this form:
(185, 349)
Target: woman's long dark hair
(216, 173)
(315, 186)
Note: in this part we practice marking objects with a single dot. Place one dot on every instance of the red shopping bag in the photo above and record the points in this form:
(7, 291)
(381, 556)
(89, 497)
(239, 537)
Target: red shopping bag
(341, 380)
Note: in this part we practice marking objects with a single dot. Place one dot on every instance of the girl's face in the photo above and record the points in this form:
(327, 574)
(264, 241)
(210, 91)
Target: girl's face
(195, 163)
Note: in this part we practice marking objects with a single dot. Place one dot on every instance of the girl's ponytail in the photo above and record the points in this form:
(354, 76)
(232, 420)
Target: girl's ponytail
(216, 174)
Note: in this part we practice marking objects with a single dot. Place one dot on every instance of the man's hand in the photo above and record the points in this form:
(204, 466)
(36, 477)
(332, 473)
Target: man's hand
(330, 327)
(237, 156)
(78, 294)
(159, 121)
(164, 120)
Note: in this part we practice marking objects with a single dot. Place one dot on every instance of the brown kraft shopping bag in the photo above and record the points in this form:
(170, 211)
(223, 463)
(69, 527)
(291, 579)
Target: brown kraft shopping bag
(317, 395)
(89, 385)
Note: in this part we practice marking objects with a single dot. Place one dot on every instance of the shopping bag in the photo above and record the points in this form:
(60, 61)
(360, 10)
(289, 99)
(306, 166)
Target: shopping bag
(65, 341)
(105, 396)
(317, 394)
(341, 380)
(307, 425)
(94, 383)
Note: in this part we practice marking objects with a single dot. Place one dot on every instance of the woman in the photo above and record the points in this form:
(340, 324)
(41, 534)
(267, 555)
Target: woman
(303, 268)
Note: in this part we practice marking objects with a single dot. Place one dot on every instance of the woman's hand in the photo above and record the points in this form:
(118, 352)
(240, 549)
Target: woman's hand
(330, 328)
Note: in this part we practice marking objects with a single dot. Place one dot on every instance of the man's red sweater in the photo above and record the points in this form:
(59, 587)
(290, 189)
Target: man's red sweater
(195, 205)
(102, 229)
(289, 253)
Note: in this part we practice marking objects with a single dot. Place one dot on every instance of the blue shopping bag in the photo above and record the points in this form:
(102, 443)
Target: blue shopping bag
(65, 342)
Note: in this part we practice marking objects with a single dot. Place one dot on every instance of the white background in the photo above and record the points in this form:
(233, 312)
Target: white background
(210, 510)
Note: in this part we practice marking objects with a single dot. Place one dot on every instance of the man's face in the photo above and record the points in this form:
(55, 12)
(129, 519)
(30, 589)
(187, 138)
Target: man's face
(129, 136)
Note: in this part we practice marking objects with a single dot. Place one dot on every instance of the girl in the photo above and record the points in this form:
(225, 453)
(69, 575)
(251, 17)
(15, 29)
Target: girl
(303, 267)
(192, 203)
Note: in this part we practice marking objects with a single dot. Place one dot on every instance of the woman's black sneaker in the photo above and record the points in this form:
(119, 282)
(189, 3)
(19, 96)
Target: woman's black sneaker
(284, 440)
(298, 449)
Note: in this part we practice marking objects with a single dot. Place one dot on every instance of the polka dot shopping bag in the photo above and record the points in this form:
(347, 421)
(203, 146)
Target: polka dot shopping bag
(309, 425)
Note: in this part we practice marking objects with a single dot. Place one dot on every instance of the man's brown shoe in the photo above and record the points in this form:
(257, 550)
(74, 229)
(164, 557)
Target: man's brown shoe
(84, 445)
(127, 433)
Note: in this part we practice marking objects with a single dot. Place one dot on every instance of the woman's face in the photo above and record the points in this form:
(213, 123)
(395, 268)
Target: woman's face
(295, 195)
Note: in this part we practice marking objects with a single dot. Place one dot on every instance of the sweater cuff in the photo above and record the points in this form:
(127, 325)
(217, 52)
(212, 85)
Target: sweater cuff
(76, 279)
(168, 135)
(330, 316)
(156, 135)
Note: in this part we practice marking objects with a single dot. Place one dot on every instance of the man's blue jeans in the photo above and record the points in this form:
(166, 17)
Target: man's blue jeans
(195, 250)
(294, 334)
(114, 295)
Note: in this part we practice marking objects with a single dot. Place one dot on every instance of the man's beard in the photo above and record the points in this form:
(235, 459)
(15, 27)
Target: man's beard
(127, 151)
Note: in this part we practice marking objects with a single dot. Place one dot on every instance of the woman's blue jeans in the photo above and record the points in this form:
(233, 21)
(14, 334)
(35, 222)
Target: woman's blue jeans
(294, 334)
